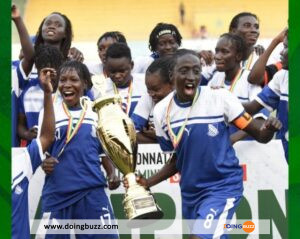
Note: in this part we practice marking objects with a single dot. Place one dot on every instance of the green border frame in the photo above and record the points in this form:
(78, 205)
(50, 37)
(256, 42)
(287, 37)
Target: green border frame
(294, 119)
(5, 119)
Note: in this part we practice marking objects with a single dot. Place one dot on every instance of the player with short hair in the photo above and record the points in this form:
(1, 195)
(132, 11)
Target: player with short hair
(158, 85)
(230, 51)
(192, 123)
(246, 25)
(104, 41)
(121, 81)
(77, 148)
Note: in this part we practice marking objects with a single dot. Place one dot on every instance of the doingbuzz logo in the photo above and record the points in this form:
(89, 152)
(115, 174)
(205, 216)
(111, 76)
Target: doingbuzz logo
(247, 226)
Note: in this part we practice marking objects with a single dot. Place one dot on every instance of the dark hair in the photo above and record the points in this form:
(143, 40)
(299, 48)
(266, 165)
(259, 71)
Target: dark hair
(81, 70)
(65, 43)
(154, 35)
(118, 36)
(238, 42)
(235, 20)
(179, 53)
(118, 50)
(47, 56)
(162, 66)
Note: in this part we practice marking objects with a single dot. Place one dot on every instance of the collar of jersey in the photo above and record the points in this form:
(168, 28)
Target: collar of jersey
(122, 87)
(75, 108)
(184, 104)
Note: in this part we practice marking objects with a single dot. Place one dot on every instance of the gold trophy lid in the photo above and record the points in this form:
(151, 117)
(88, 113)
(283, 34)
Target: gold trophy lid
(98, 103)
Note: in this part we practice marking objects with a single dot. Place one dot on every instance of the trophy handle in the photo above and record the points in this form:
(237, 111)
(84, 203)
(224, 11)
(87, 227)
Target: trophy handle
(85, 102)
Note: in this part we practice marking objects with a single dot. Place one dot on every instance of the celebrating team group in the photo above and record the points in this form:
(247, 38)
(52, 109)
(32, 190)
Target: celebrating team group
(195, 104)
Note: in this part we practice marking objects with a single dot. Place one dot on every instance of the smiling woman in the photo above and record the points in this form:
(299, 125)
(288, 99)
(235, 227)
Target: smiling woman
(246, 25)
(74, 81)
(77, 149)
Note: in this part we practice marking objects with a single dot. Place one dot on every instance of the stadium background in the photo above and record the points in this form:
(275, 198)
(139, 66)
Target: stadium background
(136, 19)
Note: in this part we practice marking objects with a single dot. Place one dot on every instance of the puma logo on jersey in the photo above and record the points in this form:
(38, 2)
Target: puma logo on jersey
(94, 132)
(18, 190)
(57, 134)
(188, 131)
(212, 130)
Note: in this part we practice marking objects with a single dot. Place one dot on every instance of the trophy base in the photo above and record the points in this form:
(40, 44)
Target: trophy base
(139, 203)
(142, 211)
(150, 218)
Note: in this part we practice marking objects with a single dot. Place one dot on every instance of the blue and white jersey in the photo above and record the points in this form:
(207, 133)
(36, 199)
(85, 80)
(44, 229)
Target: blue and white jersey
(244, 91)
(24, 164)
(142, 63)
(143, 113)
(205, 157)
(78, 171)
(32, 102)
(208, 72)
(21, 77)
(138, 90)
(275, 96)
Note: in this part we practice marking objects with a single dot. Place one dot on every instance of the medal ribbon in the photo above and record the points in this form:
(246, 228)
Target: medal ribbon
(129, 95)
(248, 62)
(71, 132)
(236, 79)
(176, 138)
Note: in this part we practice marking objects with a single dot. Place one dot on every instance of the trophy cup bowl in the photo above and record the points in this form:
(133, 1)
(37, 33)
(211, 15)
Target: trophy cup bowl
(118, 138)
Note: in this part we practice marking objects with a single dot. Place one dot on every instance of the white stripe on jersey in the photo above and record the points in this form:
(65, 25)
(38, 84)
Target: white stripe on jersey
(33, 99)
(243, 89)
(197, 121)
(22, 163)
(213, 105)
(280, 84)
(85, 121)
(223, 217)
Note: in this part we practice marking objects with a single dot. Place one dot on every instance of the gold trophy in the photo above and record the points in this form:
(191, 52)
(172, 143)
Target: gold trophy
(118, 138)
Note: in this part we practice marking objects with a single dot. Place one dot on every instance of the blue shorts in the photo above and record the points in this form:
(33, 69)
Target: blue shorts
(213, 213)
(94, 205)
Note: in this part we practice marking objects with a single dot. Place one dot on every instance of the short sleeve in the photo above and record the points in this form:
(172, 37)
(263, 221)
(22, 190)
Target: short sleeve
(22, 78)
(35, 152)
(142, 112)
(269, 97)
(232, 106)
(162, 138)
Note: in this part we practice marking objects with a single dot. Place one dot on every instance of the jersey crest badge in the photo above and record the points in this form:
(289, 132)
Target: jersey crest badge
(212, 130)
(18, 190)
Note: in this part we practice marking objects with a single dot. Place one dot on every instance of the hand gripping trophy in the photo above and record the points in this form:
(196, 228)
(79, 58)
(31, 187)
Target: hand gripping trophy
(118, 138)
